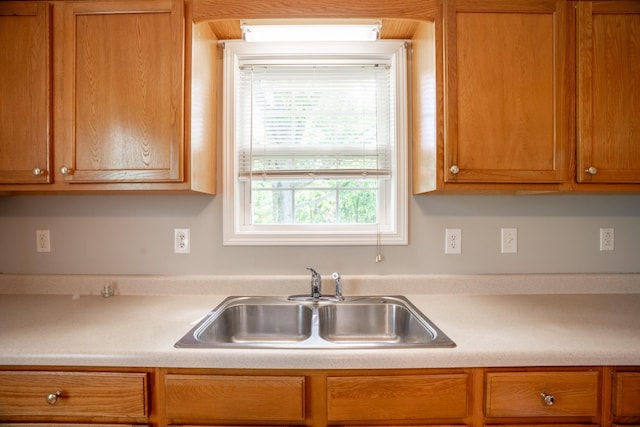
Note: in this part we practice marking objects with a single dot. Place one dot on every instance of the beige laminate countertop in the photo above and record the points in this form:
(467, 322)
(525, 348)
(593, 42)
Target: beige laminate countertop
(490, 330)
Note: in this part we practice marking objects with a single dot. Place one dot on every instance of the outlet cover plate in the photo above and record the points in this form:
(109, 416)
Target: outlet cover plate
(182, 241)
(509, 239)
(607, 239)
(453, 241)
(43, 241)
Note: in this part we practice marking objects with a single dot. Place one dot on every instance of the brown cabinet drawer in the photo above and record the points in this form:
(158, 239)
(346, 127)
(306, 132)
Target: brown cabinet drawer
(79, 394)
(68, 425)
(397, 397)
(542, 425)
(626, 394)
(521, 394)
(191, 398)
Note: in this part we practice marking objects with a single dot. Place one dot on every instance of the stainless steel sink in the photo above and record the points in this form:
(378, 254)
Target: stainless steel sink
(243, 321)
(382, 322)
(275, 322)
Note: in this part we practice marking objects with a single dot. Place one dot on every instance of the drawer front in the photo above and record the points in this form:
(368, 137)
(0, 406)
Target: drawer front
(543, 425)
(82, 394)
(400, 397)
(540, 394)
(190, 398)
(69, 425)
(626, 394)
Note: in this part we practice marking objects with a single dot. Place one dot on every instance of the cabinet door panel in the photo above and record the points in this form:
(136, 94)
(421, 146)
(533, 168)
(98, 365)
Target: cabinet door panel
(68, 425)
(506, 110)
(123, 74)
(626, 394)
(521, 394)
(398, 397)
(25, 99)
(542, 425)
(609, 92)
(80, 394)
(208, 398)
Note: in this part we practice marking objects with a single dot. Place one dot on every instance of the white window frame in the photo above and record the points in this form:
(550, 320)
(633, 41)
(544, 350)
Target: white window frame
(235, 231)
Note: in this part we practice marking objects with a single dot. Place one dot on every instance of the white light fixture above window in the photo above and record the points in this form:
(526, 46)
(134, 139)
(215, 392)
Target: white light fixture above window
(269, 31)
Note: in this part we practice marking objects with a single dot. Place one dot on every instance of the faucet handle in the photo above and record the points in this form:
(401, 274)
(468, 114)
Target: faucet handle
(316, 284)
(336, 276)
(314, 273)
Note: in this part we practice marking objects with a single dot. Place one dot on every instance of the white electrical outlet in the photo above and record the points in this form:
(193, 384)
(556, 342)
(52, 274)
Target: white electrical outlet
(607, 239)
(509, 238)
(43, 241)
(181, 241)
(453, 241)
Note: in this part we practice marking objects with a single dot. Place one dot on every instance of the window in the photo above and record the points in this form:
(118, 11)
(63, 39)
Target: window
(315, 138)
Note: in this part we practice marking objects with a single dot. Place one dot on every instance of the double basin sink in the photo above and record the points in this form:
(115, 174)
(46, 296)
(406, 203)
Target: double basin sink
(277, 323)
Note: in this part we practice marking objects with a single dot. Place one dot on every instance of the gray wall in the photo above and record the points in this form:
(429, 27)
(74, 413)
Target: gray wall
(132, 234)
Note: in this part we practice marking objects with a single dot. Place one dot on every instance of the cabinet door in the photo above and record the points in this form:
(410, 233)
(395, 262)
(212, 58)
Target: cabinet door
(507, 104)
(608, 92)
(123, 91)
(25, 100)
(542, 394)
(626, 394)
(68, 425)
(73, 394)
(220, 398)
(397, 397)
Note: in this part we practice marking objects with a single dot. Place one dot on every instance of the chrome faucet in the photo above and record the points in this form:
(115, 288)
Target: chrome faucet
(316, 289)
(316, 284)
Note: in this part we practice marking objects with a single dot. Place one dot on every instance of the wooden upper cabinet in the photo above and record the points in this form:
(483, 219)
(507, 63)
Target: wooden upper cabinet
(25, 88)
(608, 92)
(123, 91)
(507, 91)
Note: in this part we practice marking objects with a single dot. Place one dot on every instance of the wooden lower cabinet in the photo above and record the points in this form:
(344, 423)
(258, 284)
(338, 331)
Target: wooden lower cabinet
(626, 393)
(398, 397)
(473, 397)
(542, 394)
(541, 425)
(625, 397)
(317, 397)
(544, 397)
(68, 425)
(567, 397)
(65, 397)
(231, 398)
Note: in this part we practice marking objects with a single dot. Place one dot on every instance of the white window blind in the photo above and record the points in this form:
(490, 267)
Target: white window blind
(324, 121)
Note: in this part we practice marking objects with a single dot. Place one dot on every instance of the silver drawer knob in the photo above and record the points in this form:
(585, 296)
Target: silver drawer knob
(65, 170)
(548, 399)
(38, 172)
(52, 398)
(454, 169)
(591, 170)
